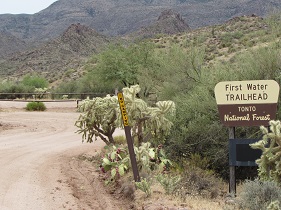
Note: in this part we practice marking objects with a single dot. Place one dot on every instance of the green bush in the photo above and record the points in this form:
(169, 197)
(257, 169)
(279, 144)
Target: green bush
(35, 81)
(69, 87)
(13, 87)
(35, 106)
(121, 139)
(197, 127)
(259, 195)
(28, 84)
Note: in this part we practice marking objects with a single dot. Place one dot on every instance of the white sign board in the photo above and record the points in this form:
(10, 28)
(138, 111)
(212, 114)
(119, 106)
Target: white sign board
(247, 103)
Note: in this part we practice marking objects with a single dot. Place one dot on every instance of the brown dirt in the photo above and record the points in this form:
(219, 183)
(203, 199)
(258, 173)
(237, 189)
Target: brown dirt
(39, 165)
(44, 166)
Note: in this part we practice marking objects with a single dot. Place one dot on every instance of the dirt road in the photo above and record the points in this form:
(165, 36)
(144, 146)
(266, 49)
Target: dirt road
(33, 147)
(41, 167)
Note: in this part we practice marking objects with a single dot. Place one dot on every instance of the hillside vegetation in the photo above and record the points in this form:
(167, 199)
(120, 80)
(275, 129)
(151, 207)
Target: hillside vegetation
(59, 59)
(185, 68)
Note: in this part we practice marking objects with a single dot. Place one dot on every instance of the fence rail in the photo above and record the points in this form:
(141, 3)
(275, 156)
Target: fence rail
(49, 95)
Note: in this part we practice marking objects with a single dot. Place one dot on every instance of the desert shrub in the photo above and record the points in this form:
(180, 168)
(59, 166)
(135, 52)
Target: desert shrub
(197, 128)
(197, 161)
(263, 63)
(34, 81)
(35, 106)
(168, 182)
(274, 23)
(118, 66)
(15, 87)
(68, 87)
(199, 182)
(120, 139)
(27, 84)
(226, 39)
(259, 195)
(237, 35)
(145, 186)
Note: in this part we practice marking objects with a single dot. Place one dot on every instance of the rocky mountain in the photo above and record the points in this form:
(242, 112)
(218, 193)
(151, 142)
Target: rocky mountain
(68, 51)
(57, 57)
(63, 35)
(10, 44)
(168, 22)
(119, 17)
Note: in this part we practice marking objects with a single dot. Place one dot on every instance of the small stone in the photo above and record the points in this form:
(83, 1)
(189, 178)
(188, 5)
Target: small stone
(230, 202)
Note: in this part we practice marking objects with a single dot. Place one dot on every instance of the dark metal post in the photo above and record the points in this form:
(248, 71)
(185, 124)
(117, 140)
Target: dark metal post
(232, 178)
(128, 137)
(132, 153)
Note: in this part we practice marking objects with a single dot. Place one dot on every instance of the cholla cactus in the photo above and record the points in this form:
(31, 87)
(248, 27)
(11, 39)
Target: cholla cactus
(274, 205)
(270, 161)
(101, 116)
(148, 122)
(98, 118)
(64, 97)
(41, 92)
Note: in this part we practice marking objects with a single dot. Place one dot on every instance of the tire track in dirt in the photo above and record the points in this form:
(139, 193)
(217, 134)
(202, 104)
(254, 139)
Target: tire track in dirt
(87, 187)
(38, 168)
(30, 174)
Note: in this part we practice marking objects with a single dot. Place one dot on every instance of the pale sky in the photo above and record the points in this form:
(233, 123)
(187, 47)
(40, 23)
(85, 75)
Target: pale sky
(23, 6)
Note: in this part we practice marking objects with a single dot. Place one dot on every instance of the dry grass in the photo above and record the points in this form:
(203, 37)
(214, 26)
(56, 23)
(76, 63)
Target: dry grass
(160, 199)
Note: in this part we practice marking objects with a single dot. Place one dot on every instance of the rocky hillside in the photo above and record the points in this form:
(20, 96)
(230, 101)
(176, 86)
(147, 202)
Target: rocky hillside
(112, 17)
(221, 43)
(63, 56)
(168, 23)
(56, 58)
(10, 44)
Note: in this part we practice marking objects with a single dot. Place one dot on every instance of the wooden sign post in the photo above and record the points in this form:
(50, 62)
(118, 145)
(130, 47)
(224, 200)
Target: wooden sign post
(246, 103)
(127, 129)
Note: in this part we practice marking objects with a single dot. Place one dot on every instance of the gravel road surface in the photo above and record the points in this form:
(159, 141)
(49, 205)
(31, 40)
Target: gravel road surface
(33, 146)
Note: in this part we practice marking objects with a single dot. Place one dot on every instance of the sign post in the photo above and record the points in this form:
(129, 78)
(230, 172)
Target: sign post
(232, 175)
(246, 103)
(127, 129)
